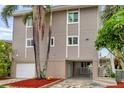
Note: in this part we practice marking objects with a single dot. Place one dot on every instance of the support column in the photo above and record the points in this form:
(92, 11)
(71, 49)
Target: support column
(95, 69)
(13, 69)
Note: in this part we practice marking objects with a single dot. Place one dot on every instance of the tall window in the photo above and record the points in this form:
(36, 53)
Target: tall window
(72, 40)
(73, 16)
(52, 42)
(29, 22)
(29, 42)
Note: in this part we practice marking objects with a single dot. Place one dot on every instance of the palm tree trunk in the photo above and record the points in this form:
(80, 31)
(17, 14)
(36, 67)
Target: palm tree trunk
(38, 17)
(48, 51)
(48, 44)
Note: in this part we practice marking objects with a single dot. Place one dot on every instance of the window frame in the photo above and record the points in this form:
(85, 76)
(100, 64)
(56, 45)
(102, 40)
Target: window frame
(52, 37)
(73, 40)
(27, 26)
(73, 11)
(27, 42)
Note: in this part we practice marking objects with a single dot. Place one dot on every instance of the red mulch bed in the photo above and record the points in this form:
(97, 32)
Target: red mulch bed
(4, 78)
(31, 83)
(119, 85)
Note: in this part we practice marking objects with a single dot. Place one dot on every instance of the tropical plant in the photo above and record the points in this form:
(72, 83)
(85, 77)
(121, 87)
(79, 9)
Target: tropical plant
(111, 35)
(107, 13)
(109, 10)
(38, 14)
(5, 61)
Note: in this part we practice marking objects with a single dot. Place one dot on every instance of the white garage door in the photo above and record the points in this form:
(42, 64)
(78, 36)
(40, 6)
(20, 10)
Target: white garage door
(25, 71)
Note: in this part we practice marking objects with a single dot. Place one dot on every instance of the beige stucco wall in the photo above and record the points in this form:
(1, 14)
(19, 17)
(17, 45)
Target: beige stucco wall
(88, 29)
(19, 37)
(72, 29)
(19, 40)
(59, 32)
(57, 69)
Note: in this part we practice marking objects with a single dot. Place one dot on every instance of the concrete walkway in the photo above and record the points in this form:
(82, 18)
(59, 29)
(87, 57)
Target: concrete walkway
(80, 83)
(2, 82)
(77, 83)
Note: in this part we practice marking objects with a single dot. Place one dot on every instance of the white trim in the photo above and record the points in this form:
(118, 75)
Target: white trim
(72, 36)
(27, 24)
(53, 41)
(72, 11)
(79, 33)
(26, 43)
(66, 33)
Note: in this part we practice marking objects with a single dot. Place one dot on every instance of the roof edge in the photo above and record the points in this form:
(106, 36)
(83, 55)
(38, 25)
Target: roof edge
(55, 8)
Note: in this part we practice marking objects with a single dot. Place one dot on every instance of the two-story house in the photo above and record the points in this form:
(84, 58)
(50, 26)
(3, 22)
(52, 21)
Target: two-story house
(72, 53)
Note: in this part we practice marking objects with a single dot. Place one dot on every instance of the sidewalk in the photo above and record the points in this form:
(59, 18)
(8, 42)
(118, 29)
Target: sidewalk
(2, 82)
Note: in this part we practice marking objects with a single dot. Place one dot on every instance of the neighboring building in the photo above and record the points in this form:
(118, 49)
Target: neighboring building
(73, 52)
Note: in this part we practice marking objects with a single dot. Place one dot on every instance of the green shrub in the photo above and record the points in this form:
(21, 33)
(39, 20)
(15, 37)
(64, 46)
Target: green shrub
(2, 87)
(113, 75)
(5, 61)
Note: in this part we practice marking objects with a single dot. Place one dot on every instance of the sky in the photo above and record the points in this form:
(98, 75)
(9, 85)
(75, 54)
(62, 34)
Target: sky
(5, 32)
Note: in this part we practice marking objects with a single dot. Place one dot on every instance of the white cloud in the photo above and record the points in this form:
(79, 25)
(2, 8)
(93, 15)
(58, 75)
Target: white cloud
(5, 36)
(6, 30)
(5, 33)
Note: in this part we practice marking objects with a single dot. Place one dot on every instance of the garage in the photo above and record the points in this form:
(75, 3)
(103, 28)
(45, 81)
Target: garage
(25, 70)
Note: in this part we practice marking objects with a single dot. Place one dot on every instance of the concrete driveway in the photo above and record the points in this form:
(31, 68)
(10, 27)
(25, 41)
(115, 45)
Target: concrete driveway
(80, 83)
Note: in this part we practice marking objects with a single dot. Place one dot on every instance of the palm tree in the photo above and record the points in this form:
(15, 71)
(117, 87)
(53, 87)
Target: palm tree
(38, 14)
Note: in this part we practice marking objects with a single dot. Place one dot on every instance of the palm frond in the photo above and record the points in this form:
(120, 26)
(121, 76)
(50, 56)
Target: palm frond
(47, 8)
(26, 16)
(7, 12)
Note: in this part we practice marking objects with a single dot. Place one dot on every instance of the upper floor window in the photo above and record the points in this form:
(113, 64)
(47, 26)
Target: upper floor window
(73, 16)
(29, 22)
(52, 42)
(29, 42)
(72, 40)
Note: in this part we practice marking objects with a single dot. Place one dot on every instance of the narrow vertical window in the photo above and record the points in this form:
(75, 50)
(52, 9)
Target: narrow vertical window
(52, 42)
(75, 40)
(70, 41)
(29, 22)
